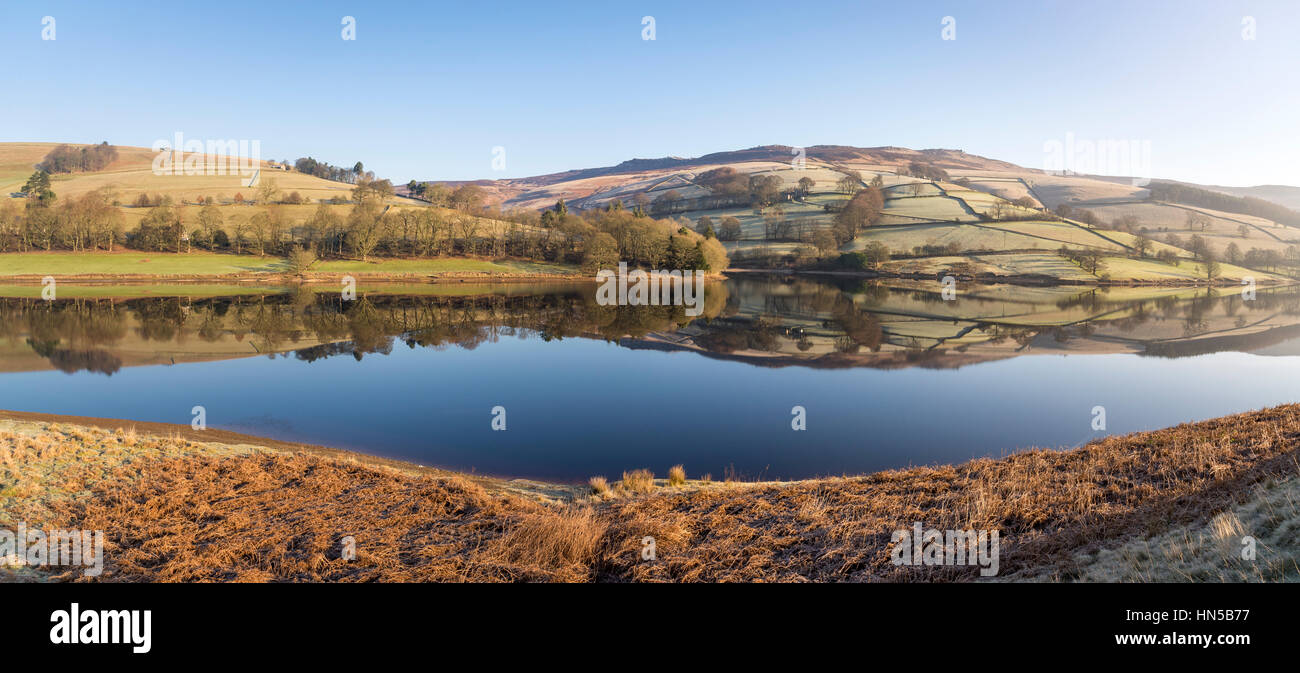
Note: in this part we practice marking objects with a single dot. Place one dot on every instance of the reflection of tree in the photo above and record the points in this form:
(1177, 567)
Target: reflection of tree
(67, 333)
(799, 317)
(160, 319)
(99, 361)
(77, 323)
(862, 327)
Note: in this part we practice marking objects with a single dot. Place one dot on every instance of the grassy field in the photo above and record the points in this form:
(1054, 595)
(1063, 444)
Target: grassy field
(1061, 515)
(128, 290)
(133, 173)
(948, 214)
(63, 264)
(990, 236)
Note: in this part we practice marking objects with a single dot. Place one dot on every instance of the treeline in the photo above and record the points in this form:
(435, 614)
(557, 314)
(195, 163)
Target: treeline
(86, 223)
(917, 169)
(467, 197)
(602, 238)
(69, 159)
(1204, 198)
(370, 228)
(321, 169)
(1254, 258)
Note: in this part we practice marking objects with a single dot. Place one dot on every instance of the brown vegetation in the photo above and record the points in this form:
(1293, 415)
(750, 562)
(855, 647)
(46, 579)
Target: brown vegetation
(174, 511)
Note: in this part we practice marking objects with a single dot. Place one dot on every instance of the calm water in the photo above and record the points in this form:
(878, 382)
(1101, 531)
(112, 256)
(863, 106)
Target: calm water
(889, 376)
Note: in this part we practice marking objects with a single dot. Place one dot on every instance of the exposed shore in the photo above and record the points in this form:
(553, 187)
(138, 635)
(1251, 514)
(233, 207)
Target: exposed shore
(183, 505)
(996, 279)
(124, 267)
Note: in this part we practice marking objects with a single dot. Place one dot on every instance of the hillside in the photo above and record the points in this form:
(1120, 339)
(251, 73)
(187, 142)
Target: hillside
(942, 212)
(1282, 195)
(968, 213)
(132, 174)
(636, 174)
(1163, 505)
(239, 223)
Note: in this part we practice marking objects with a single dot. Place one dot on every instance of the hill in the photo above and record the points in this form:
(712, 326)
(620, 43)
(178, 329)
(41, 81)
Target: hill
(132, 174)
(943, 210)
(543, 190)
(214, 220)
(1282, 195)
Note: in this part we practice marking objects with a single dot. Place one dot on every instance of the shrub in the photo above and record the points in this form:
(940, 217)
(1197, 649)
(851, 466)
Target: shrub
(301, 260)
(600, 487)
(638, 481)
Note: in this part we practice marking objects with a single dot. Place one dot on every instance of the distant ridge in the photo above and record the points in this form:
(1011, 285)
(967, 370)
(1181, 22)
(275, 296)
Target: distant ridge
(944, 158)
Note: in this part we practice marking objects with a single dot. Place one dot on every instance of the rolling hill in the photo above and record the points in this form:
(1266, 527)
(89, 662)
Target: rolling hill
(132, 174)
(944, 210)
(1002, 218)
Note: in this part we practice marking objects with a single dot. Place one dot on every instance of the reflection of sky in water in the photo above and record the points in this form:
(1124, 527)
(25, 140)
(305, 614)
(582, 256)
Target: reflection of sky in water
(578, 407)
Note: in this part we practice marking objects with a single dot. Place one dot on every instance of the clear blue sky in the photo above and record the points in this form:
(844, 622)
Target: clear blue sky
(426, 91)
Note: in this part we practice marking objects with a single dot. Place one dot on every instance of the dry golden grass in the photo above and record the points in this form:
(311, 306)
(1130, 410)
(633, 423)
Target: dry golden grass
(1047, 505)
(600, 487)
(677, 475)
(563, 542)
(174, 510)
(1268, 524)
(637, 482)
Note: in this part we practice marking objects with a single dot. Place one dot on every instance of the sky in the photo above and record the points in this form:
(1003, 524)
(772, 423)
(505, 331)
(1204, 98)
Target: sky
(440, 90)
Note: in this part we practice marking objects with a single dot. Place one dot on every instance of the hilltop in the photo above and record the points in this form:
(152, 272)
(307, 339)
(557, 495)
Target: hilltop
(581, 184)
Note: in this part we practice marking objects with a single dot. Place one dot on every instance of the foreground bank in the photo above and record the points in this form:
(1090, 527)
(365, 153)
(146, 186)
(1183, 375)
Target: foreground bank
(178, 505)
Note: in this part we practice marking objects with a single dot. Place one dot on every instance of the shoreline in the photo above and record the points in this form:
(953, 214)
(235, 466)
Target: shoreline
(94, 280)
(289, 279)
(1029, 280)
(563, 273)
(232, 438)
(1063, 514)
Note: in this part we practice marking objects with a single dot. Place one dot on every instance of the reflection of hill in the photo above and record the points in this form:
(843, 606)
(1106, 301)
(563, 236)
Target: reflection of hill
(776, 322)
(891, 360)
(759, 321)
(1232, 342)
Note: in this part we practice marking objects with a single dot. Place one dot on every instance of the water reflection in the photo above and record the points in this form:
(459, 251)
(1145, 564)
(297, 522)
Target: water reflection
(890, 375)
(761, 321)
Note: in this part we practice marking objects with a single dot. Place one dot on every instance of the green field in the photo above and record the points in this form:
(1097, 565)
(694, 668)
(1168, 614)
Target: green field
(931, 207)
(60, 264)
(985, 236)
(129, 290)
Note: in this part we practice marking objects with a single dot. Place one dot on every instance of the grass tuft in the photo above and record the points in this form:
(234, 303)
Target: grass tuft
(600, 487)
(638, 481)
